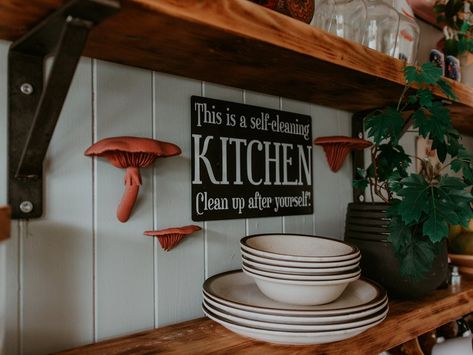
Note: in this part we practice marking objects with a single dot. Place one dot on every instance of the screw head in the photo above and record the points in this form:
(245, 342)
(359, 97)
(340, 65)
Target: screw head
(26, 207)
(26, 88)
(360, 135)
(361, 198)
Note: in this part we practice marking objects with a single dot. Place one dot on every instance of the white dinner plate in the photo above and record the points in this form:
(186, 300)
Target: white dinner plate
(290, 338)
(330, 319)
(299, 264)
(298, 247)
(300, 271)
(235, 289)
(295, 327)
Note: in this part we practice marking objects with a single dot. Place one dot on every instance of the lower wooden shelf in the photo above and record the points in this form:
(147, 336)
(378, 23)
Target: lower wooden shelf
(406, 320)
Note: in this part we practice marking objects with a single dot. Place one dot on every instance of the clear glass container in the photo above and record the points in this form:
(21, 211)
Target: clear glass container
(344, 18)
(382, 27)
(409, 32)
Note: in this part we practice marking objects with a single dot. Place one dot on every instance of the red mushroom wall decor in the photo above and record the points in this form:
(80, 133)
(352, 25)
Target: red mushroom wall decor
(337, 148)
(170, 237)
(131, 153)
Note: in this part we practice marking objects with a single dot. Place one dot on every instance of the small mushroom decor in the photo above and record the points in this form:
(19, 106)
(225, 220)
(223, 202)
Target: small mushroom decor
(337, 148)
(131, 153)
(170, 237)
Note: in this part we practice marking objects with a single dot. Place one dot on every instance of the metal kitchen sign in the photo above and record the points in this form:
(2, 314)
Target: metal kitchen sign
(249, 161)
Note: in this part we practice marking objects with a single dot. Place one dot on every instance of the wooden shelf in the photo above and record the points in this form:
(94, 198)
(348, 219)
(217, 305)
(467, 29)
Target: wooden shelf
(406, 320)
(238, 43)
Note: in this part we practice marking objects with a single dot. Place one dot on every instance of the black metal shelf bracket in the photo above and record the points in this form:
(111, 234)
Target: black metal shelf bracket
(358, 158)
(35, 99)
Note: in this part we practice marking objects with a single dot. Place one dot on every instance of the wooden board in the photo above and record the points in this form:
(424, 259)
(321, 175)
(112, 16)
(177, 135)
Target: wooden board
(406, 320)
(241, 44)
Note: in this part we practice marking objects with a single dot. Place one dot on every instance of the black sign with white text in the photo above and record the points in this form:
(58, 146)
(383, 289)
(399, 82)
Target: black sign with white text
(249, 161)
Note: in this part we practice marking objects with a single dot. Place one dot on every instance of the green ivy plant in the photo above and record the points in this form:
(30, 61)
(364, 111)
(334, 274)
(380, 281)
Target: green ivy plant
(421, 205)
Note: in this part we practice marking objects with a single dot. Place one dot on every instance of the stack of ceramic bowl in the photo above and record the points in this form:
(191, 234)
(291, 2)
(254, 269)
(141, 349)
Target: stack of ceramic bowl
(233, 300)
(300, 269)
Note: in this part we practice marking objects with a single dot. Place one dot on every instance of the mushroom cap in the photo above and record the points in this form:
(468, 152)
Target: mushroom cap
(175, 230)
(351, 142)
(125, 151)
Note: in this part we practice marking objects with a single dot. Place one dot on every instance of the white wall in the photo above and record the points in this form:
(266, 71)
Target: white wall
(77, 275)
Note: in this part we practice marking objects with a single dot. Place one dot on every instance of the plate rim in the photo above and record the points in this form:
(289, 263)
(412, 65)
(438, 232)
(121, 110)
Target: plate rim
(381, 294)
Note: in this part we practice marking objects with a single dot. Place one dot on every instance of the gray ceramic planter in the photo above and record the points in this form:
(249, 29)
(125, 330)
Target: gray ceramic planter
(367, 228)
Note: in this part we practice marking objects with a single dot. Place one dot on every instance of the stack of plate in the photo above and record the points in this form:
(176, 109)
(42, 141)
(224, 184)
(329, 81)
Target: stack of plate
(233, 300)
(300, 269)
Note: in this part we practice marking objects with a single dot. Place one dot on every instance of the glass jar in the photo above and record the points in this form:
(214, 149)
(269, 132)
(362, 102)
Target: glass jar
(409, 32)
(344, 18)
(382, 27)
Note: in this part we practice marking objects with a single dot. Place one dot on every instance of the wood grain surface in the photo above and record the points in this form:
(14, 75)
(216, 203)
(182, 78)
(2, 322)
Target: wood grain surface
(241, 44)
(406, 320)
(4, 222)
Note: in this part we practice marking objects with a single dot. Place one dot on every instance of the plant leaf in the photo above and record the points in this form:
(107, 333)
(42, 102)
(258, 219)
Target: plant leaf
(417, 258)
(447, 89)
(386, 124)
(464, 162)
(415, 198)
(425, 97)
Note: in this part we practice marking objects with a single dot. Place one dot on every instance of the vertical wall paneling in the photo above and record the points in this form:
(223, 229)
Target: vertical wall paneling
(223, 237)
(266, 224)
(57, 248)
(9, 262)
(179, 272)
(344, 192)
(3, 195)
(331, 190)
(300, 224)
(124, 270)
(3, 120)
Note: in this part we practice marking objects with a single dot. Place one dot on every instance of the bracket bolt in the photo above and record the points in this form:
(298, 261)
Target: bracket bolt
(26, 207)
(361, 198)
(360, 135)
(26, 88)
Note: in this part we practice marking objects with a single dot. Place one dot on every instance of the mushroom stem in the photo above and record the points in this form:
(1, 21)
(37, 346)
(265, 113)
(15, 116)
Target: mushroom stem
(132, 186)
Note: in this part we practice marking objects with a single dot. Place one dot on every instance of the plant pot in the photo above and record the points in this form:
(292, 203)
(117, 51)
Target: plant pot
(378, 261)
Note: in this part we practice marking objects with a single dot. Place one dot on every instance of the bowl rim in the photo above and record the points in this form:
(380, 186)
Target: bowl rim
(356, 272)
(244, 245)
(302, 282)
(296, 264)
(300, 271)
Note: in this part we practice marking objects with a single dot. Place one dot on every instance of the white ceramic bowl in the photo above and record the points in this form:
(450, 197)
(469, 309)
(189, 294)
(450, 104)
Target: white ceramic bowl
(300, 270)
(300, 264)
(290, 338)
(301, 292)
(295, 247)
(277, 275)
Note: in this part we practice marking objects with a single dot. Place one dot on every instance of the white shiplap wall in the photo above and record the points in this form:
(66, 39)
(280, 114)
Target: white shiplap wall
(77, 275)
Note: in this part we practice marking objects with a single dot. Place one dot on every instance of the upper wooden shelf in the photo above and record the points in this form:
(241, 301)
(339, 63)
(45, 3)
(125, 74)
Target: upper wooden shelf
(406, 320)
(241, 44)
